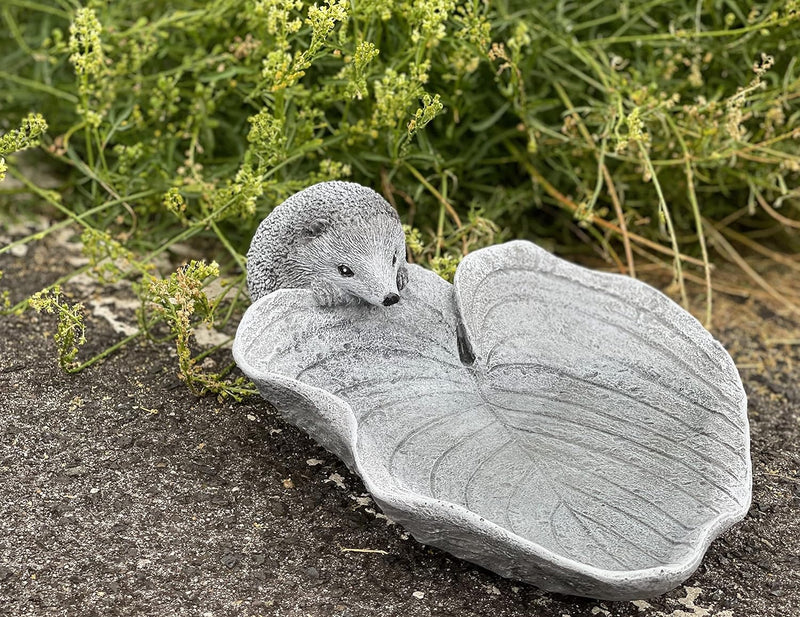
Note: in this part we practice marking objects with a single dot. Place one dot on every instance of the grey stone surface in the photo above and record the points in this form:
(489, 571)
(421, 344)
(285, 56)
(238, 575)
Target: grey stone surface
(339, 239)
(572, 429)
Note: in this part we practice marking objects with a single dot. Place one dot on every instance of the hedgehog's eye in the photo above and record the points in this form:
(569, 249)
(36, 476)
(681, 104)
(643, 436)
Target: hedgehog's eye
(394, 259)
(345, 271)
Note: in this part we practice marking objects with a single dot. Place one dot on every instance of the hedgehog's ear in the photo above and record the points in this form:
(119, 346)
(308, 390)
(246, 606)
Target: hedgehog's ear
(315, 228)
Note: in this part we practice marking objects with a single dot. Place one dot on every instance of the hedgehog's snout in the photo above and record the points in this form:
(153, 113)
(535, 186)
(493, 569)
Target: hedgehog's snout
(391, 299)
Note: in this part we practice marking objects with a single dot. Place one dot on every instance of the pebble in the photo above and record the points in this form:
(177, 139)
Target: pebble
(229, 560)
(312, 573)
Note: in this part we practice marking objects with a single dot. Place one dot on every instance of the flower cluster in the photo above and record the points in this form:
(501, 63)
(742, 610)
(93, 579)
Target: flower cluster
(446, 265)
(239, 197)
(71, 331)
(181, 301)
(430, 108)
(279, 18)
(383, 9)
(736, 103)
(85, 46)
(282, 69)
(365, 53)
(427, 18)
(324, 19)
(109, 259)
(86, 55)
(128, 157)
(267, 139)
(394, 92)
(28, 135)
(413, 240)
(330, 170)
(174, 202)
(636, 133)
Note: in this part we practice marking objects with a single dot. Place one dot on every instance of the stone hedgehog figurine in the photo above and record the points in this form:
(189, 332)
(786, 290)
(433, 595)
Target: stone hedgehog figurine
(339, 239)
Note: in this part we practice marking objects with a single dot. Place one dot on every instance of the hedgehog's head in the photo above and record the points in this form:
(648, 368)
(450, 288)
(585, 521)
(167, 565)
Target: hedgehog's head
(360, 247)
(364, 259)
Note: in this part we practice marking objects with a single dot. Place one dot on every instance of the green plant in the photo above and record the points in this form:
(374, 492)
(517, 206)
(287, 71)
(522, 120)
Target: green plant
(660, 132)
(181, 301)
(28, 135)
(5, 299)
(71, 332)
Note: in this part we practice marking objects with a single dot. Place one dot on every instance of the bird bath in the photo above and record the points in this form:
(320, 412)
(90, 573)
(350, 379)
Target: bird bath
(572, 429)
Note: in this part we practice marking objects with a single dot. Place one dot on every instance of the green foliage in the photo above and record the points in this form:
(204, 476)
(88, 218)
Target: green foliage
(71, 331)
(181, 302)
(5, 300)
(445, 266)
(413, 240)
(646, 126)
(28, 135)
(109, 259)
(429, 110)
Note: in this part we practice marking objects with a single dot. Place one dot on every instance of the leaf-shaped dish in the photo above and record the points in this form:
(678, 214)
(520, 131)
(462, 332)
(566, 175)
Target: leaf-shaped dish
(572, 429)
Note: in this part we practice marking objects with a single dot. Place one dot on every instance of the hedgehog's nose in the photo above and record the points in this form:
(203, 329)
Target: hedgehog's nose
(391, 299)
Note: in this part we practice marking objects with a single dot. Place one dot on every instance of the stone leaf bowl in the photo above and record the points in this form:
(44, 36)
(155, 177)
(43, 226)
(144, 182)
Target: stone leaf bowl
(572, 429)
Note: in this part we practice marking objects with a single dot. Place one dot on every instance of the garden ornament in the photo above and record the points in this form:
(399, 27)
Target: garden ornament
(572, 429)
(339, 239)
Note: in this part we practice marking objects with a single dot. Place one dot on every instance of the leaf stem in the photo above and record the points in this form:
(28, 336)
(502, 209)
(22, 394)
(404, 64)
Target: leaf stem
(35, 85)
(726, 250)
(689, 35)
(570, 205)
(69, 221)
(446, 204)
(698, 220)
(662, 204)
(105, 353)
(37, 6)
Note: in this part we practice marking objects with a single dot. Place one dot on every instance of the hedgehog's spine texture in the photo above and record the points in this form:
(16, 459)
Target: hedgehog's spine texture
(302, 217)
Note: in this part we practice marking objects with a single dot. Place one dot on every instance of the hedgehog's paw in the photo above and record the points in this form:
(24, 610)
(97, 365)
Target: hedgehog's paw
(402, 277)
(327, 294)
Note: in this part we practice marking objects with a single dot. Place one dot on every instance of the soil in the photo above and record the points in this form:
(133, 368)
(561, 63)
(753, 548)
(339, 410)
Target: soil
(123, 494)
